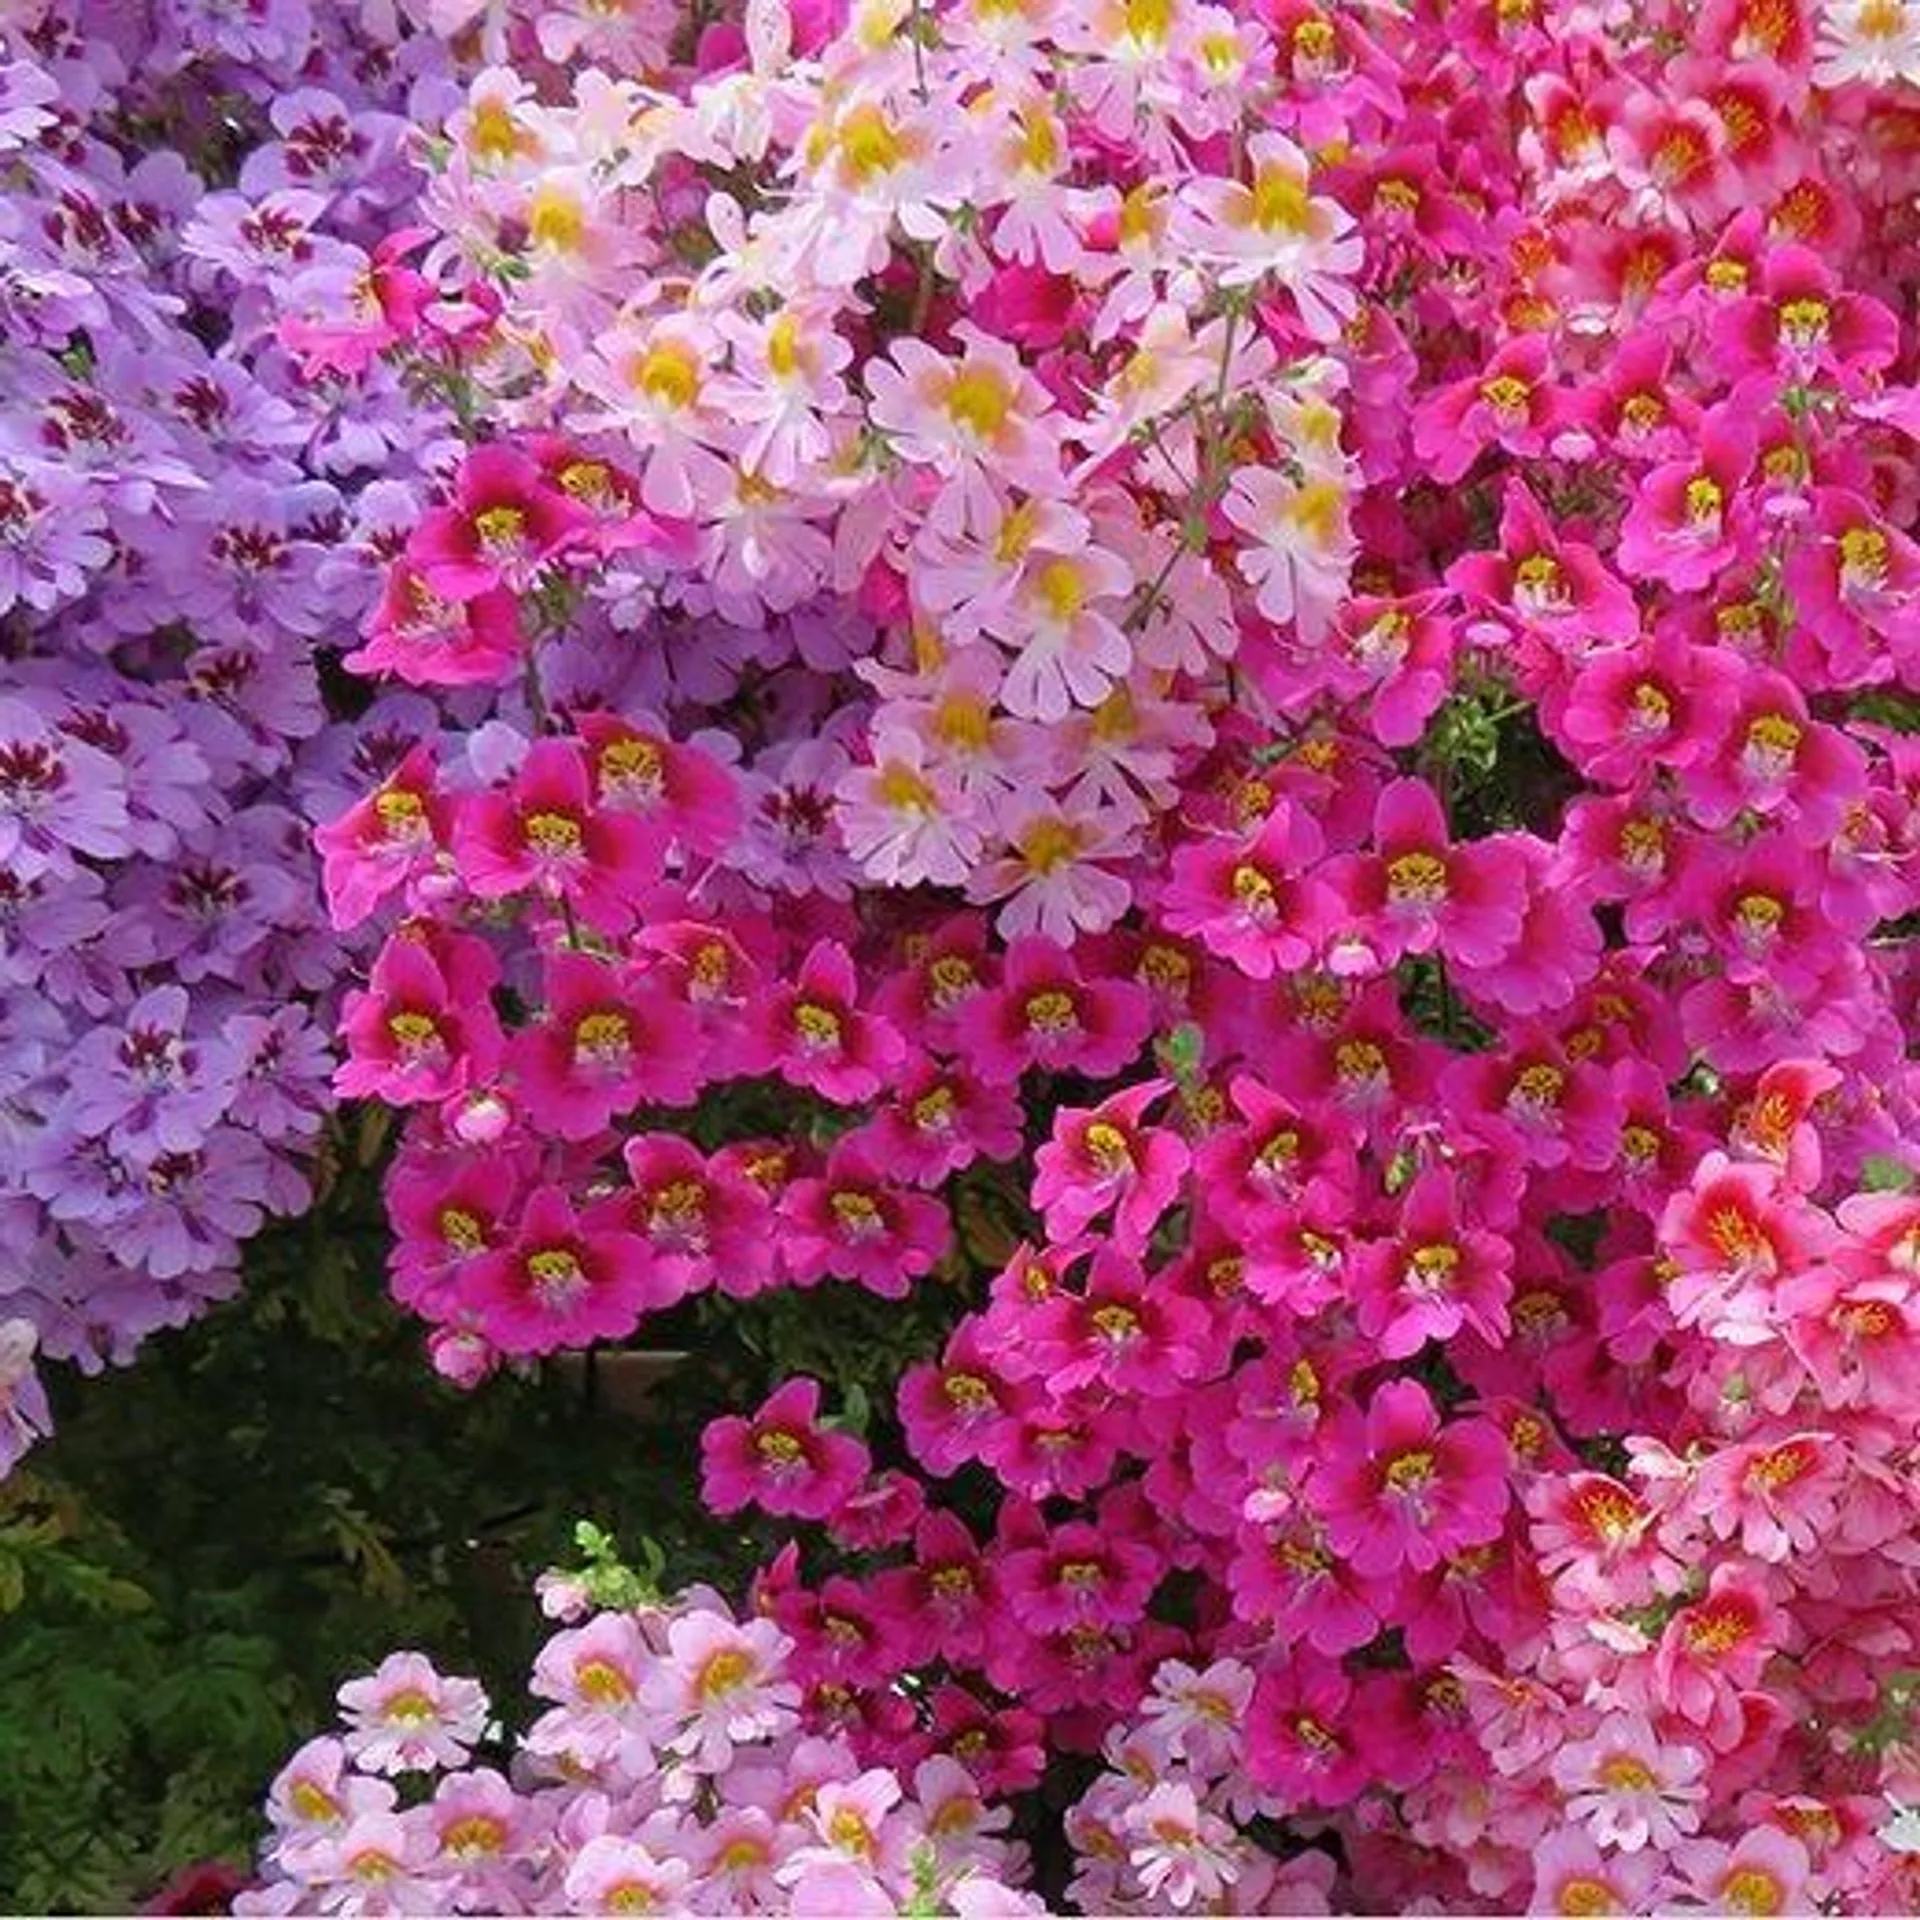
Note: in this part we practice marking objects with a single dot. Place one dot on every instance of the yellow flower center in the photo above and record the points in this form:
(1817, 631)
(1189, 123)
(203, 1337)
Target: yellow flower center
(979, 399)
(1417, 878)
(556, 220)
(1107, 1148)
(669, 375)
(1753, 1890)
(601, 1684)
(1280, 201)
(1704, 501)
(724, 1672)
(778, 1448)
(1051, 1012)
(499, 527)
(1584, 1896)
(818, 1028)
(1504, 394)
(967, 1392)
(1049, 844)
(414, 1031)
(1409, 1472)
(556, 835)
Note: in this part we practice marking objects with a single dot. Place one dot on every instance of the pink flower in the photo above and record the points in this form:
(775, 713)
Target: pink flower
(1542, 582)
(1572, 1876)
(430, 638)
(611, 1040)
(613, 1874)
(782, 1460)
(1180, 1853)
(561, 1282)
(1080, 1573)
(406, 1718)
(681, 794)
(1103, 1157)
(1690, 522)
(1281, 1155)
(1599, 1542)
(814, 1035)
(720, 1686)
(505, 524)
(1711, 1652)
(1627, 1789)
(1509, 404)
(1305, 1741)
(1045, 1012)
(855, 1222)
(595, 1673)
(545, 833)
(424, 1025)
(1655, 703)
(1254, 904)
(948, 1408)
(1436, 1276)
(1766, 1871)
(1397, 1487)
(1779, 1496)
(1124, 1331)
(1418, 893)
(941, 1120)
(704, 1224)
(391, 839)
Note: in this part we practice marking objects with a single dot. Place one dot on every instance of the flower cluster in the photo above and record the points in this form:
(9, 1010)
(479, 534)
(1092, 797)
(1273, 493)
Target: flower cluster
(1242, 680)
(668, 1773)
(184, 516)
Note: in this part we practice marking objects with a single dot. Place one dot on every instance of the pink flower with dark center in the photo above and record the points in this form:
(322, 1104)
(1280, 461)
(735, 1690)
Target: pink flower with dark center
(1599, 1541)
(1510, 404)
(1800, 324)
(1418, 892)
(1774, 759)
(391, 839)
(1124, 1331)
(433, 639)
(547, 834)
(1046, 1013)
(1253, 903)
(1713, 1651)
(1304, 1741)
(1779, 1496)
(1656, 703)
(1436, 1276)
(560, 1282)
(610, 1041)
(948, 1408)
(1080, 1573)
(1690, 520)
(1398, 1487)
(684, 796)
(1543, 583)
(814, 1035)
(855, 1222)
(941, 1120)
(1104, 1157)
(782, 1460)
(1280, 1156)
(505, 524)
(704, 1225)
(424, 1026)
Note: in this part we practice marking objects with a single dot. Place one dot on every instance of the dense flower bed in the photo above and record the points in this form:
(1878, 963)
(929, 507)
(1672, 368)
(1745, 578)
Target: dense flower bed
(1234, 687)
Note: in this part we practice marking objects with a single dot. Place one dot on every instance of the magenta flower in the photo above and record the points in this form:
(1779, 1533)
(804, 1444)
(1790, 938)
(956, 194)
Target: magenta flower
(611, 1040)
(1690, 520)
(1281, 1155)
(1436, 1276)
(854, 1222)
(948, 1408)
(560, 1282)
(781, 1460)
(545, 833)
(705, 1224)
(941, 1120)
(685, 797)
(506, 523)
(1398, 1487)
(1047, 1013)
(1305, 1741)
(1800, 323)
(814, 1035)
(1657, 703)
(1078, 1574)
(447, 1213)
(433, 639)
(1125, 1332)
(1715, 1650)
(1103, 1157)
(1417, 892)
(1543, 583)
(391, 839)
(1253, 903)
(1509, 404)
(424, 1026)
(951, 1591)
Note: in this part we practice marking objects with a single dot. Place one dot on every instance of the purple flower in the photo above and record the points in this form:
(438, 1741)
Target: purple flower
(58, 797)
(52, 535)
(149, 1087)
